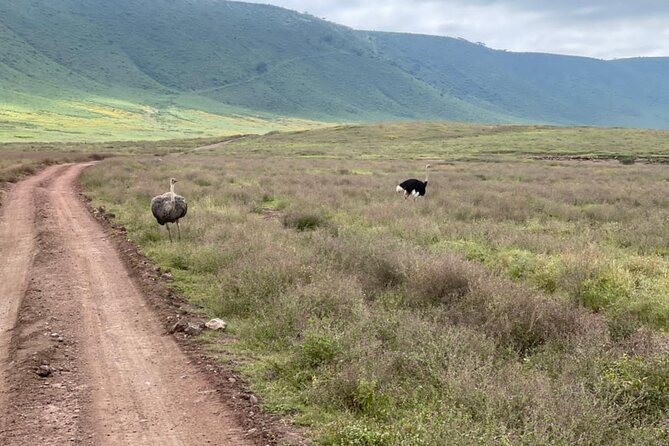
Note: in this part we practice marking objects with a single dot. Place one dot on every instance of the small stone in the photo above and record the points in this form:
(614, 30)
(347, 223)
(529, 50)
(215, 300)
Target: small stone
(216, 324)
(253, 399)
(167, 276)
(232, 380)
(194, 329)
(44, 370)
(180, 325)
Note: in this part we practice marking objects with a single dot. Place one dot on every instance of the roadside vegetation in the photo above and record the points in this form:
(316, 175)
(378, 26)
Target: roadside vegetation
(523, 301)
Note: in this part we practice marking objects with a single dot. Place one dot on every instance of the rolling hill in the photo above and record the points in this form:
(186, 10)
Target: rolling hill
(91, 69)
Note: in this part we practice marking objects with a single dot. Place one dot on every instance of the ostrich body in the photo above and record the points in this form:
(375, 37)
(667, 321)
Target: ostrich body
(169, 208)
(413, 187)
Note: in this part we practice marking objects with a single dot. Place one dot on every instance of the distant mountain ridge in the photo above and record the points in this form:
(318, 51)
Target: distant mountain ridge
(229, 58)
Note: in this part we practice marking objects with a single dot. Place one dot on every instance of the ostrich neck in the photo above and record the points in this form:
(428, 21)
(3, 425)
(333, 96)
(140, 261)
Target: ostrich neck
(172, 195)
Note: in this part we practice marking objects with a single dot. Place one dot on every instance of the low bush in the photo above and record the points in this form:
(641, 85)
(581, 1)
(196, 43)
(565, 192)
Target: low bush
(639, 387)
(318, 349)
(358, 433)
(303, 221)
(438, 280)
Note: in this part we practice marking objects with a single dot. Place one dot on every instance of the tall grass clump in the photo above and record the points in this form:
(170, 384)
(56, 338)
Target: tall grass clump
(640, 387)
(303, 221)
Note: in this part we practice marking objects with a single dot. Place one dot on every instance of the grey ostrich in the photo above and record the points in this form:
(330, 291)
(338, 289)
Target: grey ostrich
(169, 208)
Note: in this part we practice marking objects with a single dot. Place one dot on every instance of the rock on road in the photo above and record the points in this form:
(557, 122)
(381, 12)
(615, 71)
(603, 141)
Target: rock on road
(83, 359)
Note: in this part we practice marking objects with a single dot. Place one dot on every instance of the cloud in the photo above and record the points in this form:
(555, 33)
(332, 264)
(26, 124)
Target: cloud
(597, 28)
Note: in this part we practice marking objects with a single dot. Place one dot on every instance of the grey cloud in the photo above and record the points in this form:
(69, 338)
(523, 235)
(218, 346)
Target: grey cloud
(596, 28)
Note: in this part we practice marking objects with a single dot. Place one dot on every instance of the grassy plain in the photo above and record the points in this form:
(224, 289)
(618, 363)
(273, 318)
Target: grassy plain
(452, 141)
(523, 301)
(100, 119)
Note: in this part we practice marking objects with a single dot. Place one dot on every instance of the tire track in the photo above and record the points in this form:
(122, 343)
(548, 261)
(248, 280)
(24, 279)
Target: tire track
(17, 247)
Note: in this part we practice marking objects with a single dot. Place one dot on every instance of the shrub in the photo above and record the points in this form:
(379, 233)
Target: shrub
(524, 323)
(369, 400)
(180, 261)
(357, 433)
(622, 326)
(378, 266)
(318, 349)
(356, 393)
(603, 290)
(627, 159)
(97, 156)
(518, 318)
(273, 203)
(438, 280)
(249, 292)
(303, 221)
(379, 274)
(639, 387)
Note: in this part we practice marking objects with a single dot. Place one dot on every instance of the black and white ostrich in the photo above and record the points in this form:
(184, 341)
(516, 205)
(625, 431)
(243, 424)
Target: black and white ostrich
(413, 187)
(169, 208)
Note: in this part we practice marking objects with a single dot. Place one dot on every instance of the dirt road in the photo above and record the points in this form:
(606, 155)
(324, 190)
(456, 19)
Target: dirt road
(212, 146)
(83, 359)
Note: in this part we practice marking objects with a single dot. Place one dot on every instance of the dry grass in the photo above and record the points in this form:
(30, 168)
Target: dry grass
(519, 303)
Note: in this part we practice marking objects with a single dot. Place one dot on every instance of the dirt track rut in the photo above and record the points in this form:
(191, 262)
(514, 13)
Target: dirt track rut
(69, 309)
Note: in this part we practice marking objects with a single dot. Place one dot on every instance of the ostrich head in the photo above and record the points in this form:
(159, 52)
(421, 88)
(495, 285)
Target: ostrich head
(172, 181)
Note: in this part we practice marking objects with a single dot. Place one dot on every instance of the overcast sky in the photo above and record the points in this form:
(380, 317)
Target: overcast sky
(605, 29)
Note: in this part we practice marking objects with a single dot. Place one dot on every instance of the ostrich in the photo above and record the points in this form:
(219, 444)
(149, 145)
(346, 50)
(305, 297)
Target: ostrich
(415, 188)
(169, 208)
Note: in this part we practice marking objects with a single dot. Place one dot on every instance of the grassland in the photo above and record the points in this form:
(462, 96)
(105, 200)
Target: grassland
(452, 141)
(523, 301)
(99, 119)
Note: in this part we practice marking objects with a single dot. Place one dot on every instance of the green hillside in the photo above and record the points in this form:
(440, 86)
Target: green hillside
(540, 87)
(90, 69)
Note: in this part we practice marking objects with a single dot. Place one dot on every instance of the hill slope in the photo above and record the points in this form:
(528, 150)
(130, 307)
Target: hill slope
(542, 87)
(201, 67)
